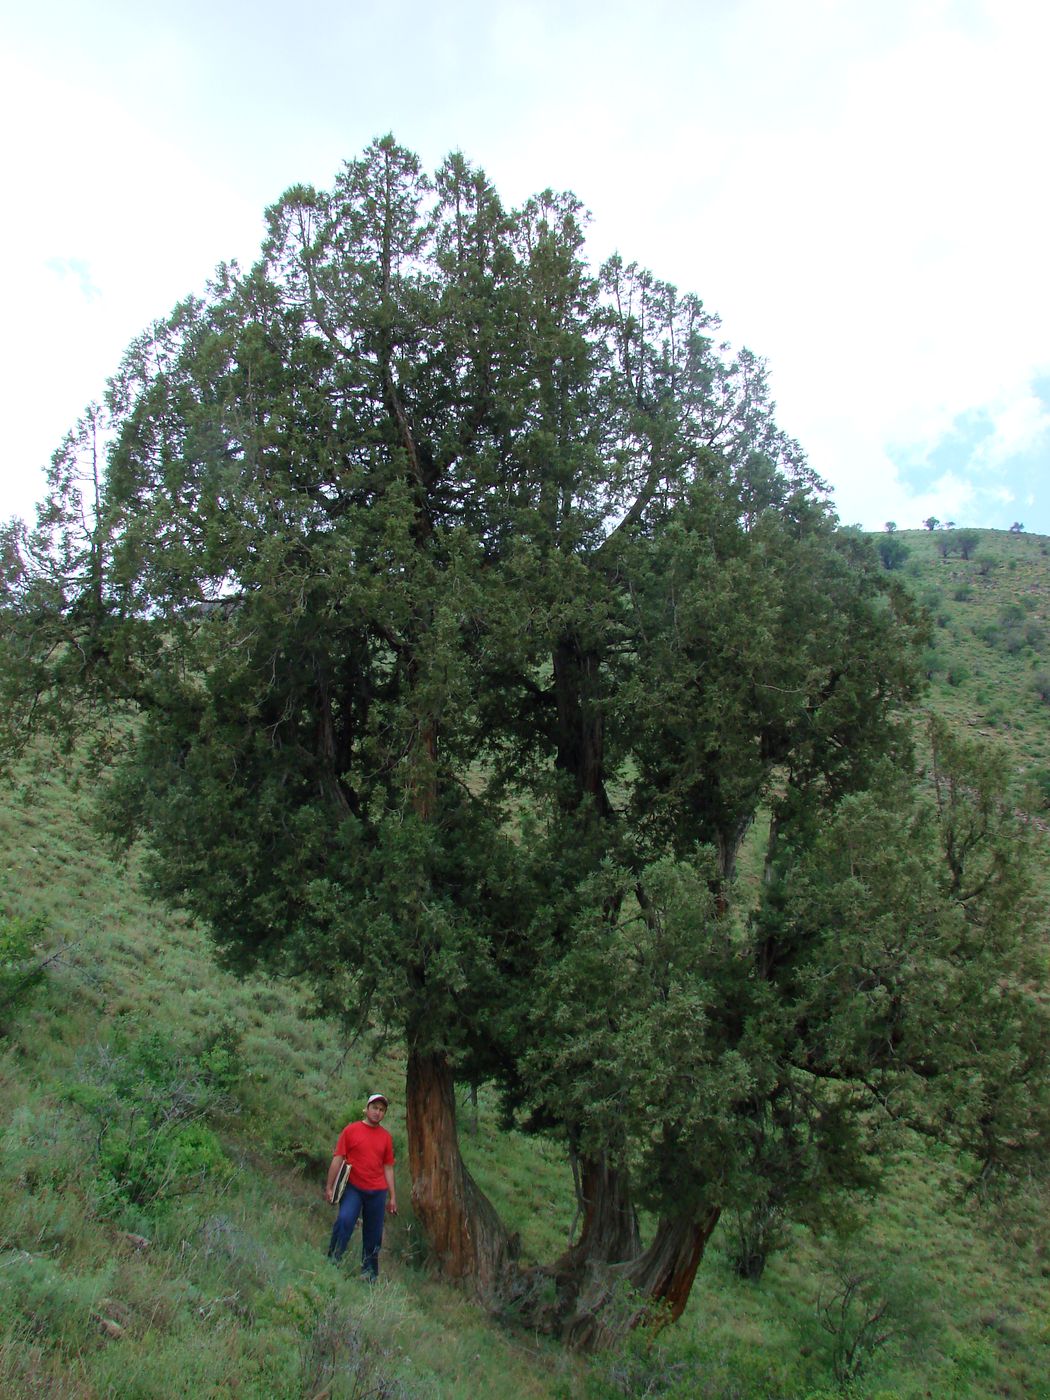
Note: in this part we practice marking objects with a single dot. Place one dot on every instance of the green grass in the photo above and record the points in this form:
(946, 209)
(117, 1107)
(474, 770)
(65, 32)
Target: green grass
(232, 1295)
(984, 667)
(232, 1292)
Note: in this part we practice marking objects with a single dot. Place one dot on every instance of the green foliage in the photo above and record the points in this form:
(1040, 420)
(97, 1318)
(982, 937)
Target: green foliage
(148, 1101)
(336, 1359)
(676, 1368)
(470, 607)
(951, 959)
(21, 966)
(966, 542)
(758, 1229)
(641, 1367)
(170, 1158)
(893, 551)
(1013, 631)
(986, 673)
(865, 1307)
(343, 567)
(51, 1306)
(963, 542)
(933, 662)
(652, 1049)
(1039, 784)
(227, 1293)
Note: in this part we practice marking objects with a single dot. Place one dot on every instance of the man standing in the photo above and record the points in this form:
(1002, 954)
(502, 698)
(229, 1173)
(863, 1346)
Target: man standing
(369, 1150)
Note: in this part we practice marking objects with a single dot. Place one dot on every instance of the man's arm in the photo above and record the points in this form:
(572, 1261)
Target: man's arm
(391, 1200)
(333, 1172)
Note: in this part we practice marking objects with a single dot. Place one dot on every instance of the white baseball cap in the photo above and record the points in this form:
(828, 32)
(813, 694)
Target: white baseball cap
(378, 1098)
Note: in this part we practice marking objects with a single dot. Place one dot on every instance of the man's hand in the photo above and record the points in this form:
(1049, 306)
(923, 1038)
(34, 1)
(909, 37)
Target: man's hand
(331, 1180)
(391, 1205)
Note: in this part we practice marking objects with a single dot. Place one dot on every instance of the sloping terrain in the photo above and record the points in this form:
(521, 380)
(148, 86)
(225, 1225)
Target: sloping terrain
(989, 662)
(166, 1128)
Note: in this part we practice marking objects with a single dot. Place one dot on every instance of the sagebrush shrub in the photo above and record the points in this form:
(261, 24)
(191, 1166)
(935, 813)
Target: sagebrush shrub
(148, 1099)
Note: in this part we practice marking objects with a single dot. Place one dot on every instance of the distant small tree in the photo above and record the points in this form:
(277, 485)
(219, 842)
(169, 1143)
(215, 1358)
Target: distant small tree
(1015, 631)
(931, 522)
(949, 524)
(987, 564)
(1016, 528)
(893, 552)
(967, 541)
(891, 526)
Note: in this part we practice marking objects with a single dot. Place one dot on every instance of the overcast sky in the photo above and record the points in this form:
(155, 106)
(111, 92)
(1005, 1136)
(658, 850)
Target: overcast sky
(858, 187)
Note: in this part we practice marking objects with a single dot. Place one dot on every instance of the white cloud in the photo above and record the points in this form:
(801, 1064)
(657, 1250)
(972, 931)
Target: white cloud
(857, 189)
(76, 270)
(116, 225)
(1019, 427)
(902, 284)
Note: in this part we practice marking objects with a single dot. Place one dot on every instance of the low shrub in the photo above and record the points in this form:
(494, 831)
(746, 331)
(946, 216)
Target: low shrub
(148, 1100)
(48, 1304)
(337, 1360)
(933, 662)
(21, 965)
(1037, 790)
(866, 1305)
(755, 1234)
(142, 1163)
(1012, 633)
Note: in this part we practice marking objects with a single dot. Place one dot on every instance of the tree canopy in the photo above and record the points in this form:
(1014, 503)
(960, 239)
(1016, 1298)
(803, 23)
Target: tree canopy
(467, 607)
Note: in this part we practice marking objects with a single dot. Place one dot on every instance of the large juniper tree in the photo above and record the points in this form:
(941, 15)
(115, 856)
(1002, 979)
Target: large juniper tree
(470, 606)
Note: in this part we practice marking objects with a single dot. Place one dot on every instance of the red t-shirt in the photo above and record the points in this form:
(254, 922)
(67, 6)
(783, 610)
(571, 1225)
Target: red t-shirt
(368, 1150)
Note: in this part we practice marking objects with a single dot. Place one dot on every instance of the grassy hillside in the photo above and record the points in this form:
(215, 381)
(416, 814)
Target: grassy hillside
(989, 662)
(198, 1269)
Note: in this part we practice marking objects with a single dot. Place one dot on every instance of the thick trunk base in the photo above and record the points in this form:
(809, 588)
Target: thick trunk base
(606, 1284)
(652, 1288)
(609, 1234)
(610, 1221)
(468, 1240)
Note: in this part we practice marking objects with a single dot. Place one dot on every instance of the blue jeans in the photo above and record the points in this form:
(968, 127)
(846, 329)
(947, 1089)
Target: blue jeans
(371, 1207)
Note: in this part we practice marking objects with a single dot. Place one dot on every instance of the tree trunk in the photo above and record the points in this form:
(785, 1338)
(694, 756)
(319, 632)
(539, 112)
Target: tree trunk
(665, 1272)
(654, 1287)
(610, 1222)
(581, 723)
(606, 1284)
(609, 1235)
(461, 1226)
